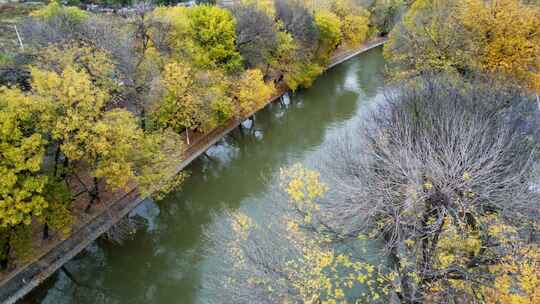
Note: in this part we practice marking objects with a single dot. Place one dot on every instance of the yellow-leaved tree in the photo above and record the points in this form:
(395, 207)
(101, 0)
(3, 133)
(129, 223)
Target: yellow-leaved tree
(22, 182)
(107, 142)
(330, 35)
(180, 107)
(251, 92)
(95, 62)
(429, 38)
(178, 36)
(354, 21)
(497, 36)
(22, 150)
(506, 38)
(203, 34)
(55, 9)
(192, 99)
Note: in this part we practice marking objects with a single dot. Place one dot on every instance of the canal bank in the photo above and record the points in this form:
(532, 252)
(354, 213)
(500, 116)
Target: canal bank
(27, 278)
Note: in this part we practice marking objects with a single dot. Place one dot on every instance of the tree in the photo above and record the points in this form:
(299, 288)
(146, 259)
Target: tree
(213, 31)
(154, 154)
(205, 34)
(256, 34)
(78, 106)
(266, 6)
(439, 182)
(215, 90)
(506, 38)
(57, 215)
(284, 257)
(385, 14)
(283, 57)
(467, 36)
(298, 22)
(296, 71)
(15, 242)
(251, 92)
(84, 58)
(22, 184)
(330, 36)
(443, 151)
(54, 23)
(354, 19)
(429, 38)
(180, 108)
(133, 45)
(192, 99)
(55, 9)
(302, 74)
(15, 73)
(107, 143)
(21, 157)
(175, 27)
(355, 29)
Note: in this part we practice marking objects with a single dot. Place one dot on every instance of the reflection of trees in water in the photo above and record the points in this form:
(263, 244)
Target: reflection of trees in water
(86, 288)
(370, 82)
(73, 284)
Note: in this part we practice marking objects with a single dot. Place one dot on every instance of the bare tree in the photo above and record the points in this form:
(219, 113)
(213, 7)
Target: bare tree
(298, 21)
(442, 175)
(441, 155)
(60, 28)
(128, 39)
(256, 34)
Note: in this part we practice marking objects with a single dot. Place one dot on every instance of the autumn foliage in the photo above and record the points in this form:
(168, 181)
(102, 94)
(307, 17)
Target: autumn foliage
(497, 36)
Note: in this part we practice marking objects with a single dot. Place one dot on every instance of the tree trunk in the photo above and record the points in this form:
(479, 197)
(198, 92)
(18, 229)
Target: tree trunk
(46, 231)
(4, 262)
(407, 295)
(143, 118)
(94, 195)
(267, 69)
(65, 165)
(56, 159)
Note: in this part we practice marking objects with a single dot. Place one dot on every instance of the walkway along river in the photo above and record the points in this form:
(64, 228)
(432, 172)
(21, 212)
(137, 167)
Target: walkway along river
(162, 263)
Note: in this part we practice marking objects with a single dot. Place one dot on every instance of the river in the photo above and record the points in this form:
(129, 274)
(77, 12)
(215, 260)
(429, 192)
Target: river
(162, 261)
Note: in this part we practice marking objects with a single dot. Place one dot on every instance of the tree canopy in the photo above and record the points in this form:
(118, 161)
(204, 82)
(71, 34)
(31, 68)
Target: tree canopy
(22, 149)
(213, 31)
(465, 36)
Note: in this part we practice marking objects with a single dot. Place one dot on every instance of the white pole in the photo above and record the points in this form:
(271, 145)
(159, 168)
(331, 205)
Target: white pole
(187, 136)
(19, 37)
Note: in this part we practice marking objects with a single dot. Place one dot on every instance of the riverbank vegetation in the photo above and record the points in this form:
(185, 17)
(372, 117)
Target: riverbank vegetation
(433, 199)
(95, 104)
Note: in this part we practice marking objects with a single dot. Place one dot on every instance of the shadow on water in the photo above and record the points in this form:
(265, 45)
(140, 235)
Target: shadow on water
(162, 263)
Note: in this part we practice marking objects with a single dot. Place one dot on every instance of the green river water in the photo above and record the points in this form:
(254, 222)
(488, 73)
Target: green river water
(162, 262)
